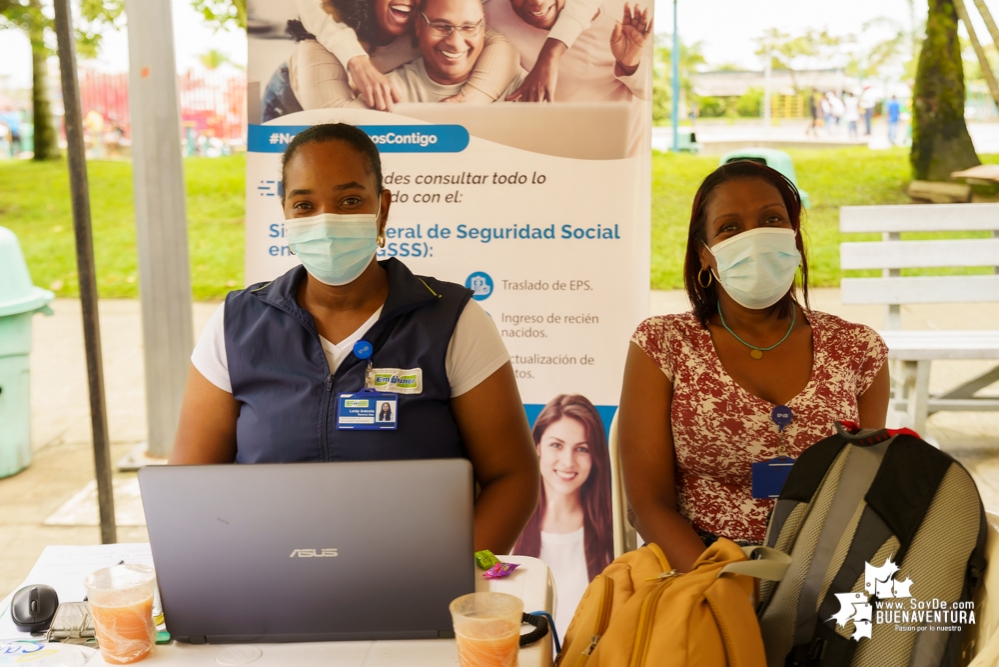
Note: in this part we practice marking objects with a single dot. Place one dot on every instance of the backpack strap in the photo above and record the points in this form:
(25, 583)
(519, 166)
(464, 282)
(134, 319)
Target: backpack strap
(810, 469)
(897, 502)
(803, 482)
(905, 485)
(806, 476)
(872, 533)
(761, 563)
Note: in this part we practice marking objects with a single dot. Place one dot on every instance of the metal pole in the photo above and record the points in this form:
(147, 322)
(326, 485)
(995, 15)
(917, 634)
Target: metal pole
(989, 21)
(160, 217)
(983, 59)
(767, 84)
(675, 57)
(80, 191)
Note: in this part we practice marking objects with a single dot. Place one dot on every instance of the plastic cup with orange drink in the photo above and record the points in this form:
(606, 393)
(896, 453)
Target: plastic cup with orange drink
(121, 604)
(487, 629)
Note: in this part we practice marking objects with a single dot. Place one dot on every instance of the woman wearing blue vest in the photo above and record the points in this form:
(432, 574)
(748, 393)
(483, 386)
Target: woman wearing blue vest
(269, 369)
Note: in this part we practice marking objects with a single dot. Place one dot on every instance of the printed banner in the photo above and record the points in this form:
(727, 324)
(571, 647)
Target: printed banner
(542, 209)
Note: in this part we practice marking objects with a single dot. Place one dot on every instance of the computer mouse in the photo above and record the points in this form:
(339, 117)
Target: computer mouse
(33, 607)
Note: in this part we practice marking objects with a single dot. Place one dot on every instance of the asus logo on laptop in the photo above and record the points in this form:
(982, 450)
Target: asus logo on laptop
(313, 553)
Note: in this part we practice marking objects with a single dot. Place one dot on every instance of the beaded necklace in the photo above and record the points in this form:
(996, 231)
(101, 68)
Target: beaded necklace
(757, 352)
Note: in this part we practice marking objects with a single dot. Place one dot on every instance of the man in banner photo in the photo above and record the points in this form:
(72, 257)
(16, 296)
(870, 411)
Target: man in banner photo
(451, 35)
(347, 46)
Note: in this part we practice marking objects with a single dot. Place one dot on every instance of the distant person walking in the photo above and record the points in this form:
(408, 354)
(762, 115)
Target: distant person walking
(868, 101)
(838, 109)
(813, 110)
(12, 120)
(894, 111)
(851, 113)
(826, 108)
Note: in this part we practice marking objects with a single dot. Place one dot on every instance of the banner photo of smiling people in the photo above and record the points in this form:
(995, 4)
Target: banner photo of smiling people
(515, 139)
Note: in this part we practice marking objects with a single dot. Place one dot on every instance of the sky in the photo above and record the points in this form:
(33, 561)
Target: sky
(725, 27)
(191, 39)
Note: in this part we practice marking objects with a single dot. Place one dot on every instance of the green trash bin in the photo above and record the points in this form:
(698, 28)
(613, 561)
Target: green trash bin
(19, 301)
(773, 158)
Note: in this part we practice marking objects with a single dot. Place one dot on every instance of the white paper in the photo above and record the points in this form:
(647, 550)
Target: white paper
(64, 568)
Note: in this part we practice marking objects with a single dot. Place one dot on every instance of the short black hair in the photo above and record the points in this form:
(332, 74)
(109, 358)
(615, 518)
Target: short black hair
(351, 135)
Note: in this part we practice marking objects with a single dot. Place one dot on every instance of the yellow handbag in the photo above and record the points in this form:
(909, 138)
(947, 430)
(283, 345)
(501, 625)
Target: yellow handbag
(639, 611)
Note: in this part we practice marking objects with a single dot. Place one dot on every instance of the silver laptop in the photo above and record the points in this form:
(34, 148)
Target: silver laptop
(310, 551)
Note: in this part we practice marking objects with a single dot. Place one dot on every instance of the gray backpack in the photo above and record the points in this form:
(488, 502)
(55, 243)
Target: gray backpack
(887, 539)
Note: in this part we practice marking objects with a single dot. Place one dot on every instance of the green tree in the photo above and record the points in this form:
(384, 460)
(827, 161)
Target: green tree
(750, 103)
(940, 140)
(222, 14)
(691, 60)
(213, 59)
(791, 53)
(902, 47)
(34, 17)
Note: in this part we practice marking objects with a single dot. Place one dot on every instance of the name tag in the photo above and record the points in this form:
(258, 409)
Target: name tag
(399, 380)
(367, 411)
(769, 476)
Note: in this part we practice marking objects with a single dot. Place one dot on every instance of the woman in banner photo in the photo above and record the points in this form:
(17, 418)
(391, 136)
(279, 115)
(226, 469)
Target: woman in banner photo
(279, 358)
(571, 530)
(749, 376)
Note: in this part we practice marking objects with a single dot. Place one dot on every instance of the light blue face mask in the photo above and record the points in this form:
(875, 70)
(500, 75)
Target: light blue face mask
(756, 268)
(335, 249)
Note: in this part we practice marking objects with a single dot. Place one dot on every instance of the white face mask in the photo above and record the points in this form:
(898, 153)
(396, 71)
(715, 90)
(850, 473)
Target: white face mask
(756, 268)
(334, 248)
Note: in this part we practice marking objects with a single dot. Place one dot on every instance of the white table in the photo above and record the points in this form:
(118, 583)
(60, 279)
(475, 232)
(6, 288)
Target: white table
(532, 582)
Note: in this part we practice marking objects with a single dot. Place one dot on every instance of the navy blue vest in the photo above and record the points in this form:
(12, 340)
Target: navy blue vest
(288, 398)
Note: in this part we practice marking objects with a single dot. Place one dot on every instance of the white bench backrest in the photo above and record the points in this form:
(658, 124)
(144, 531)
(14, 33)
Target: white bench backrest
(891, 255)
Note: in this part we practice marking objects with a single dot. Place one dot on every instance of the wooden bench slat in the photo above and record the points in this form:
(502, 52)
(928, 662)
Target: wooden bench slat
(940, 338)
(922, 289)
(914, 351)
(919, 254)
(928, 345)
(919, 218)
(960, 405)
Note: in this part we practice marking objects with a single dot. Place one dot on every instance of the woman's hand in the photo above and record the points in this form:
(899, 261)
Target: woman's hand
(494, 428)
(646, 445)
(539, 86)
(207, 429)
(629, 37)
(376, 90)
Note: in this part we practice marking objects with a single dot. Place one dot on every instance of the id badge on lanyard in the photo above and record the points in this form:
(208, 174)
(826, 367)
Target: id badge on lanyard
(769, 476)
(368, 409)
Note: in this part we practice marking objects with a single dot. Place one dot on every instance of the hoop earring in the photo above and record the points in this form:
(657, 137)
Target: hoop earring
(381, 239)
(711, 277)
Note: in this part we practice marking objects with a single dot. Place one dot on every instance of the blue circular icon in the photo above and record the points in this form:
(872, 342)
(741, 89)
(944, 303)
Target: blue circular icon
(363, 349)
(481, 285)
